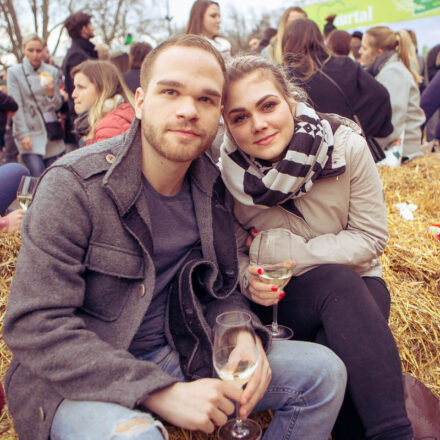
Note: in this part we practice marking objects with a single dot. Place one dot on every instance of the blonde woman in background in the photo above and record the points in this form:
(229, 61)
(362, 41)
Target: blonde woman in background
(204, 20)
(387, 55)
(103, 102)
(274, 51)
(35, 86)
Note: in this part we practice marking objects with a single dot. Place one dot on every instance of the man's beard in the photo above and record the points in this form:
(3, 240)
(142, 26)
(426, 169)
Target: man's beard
(176, 152)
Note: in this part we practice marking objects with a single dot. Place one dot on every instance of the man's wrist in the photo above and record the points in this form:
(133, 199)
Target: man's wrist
(4, 224)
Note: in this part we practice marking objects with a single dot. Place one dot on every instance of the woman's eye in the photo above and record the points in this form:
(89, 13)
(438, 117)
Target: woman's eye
(238, 119)
(269, 105)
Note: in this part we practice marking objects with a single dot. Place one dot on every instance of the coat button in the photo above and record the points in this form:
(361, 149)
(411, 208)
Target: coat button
(110, 158)
(142, 290)
(42, 415)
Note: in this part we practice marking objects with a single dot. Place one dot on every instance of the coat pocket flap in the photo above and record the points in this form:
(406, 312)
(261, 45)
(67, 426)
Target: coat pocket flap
(110, 260)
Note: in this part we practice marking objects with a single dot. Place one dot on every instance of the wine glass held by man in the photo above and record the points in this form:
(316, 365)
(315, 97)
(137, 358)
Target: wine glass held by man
(235, 358)
(35, 86)
(287, 167)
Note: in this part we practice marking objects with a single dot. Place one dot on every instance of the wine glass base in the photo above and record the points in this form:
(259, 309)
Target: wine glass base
(282, 332)
(247, 430)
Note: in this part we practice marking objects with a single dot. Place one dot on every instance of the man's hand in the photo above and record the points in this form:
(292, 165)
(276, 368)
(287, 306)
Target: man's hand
(26, 142)
(14, 220)
(198, 406)
(257, 385)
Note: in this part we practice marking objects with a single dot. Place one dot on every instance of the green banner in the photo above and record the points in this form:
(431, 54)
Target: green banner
(350, 14)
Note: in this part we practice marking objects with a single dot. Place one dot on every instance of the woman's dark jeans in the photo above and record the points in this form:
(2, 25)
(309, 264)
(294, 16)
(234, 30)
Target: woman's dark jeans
(334, 306)
(36, 164)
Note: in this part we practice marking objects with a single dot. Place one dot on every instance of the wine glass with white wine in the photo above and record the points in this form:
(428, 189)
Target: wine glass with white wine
(26, 190)
(275, 258)
(235, 357)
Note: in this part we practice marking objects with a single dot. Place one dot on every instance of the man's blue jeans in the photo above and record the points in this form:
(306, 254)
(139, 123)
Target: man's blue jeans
(305, 393)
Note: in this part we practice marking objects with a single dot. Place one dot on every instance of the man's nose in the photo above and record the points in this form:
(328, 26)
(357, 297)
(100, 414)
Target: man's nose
(188, 109)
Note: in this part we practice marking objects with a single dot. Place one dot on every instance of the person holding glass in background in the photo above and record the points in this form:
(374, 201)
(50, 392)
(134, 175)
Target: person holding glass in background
(35, 86)
(290, 169)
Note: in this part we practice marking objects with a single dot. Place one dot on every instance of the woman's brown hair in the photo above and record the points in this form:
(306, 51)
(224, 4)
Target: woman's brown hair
(339, 42)
(303, 47)
(109, 85)
(382, 37)
(195, 22)
(277, 52)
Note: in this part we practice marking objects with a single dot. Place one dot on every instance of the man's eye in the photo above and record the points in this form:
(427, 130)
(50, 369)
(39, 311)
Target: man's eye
(169, 92)
(205, 99)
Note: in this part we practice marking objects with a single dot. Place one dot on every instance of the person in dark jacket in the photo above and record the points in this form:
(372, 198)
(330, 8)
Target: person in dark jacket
(430, 103)
(7, 108)
(335, 84)
(138, 51)
(80, 30)
(433, 62)
(128, 257)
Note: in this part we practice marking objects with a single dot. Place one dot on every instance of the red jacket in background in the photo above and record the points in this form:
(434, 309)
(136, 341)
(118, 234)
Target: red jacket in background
(114, 123)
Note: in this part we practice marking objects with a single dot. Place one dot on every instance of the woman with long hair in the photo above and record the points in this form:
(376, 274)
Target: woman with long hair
(273, 51)
(35, 86)
(204, 19)
(291, 168)
(387, 56)
(335, 84)
(103, 102)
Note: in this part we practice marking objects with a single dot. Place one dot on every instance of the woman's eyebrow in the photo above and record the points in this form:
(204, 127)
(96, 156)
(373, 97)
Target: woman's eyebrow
(262, 99)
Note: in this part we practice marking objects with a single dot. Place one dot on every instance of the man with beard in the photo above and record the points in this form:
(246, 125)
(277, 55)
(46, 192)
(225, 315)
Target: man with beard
(128, 257)
(80, 29)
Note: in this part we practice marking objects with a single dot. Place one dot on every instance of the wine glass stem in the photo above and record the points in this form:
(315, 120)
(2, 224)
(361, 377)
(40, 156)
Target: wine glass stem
(275, 318)
(238, 430)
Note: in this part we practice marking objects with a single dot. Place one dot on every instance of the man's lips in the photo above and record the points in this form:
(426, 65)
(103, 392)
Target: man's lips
(185, 133)
(266, 140)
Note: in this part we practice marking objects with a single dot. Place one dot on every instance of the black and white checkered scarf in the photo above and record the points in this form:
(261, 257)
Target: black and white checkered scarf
(309, 156)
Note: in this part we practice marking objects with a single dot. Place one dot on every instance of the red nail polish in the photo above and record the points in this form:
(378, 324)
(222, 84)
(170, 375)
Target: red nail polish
(260, 271)
(281, 296)
(254, 231)
(274, 288)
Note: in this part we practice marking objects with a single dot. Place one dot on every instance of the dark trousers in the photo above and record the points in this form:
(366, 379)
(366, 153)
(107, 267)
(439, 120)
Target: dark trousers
(334, 306)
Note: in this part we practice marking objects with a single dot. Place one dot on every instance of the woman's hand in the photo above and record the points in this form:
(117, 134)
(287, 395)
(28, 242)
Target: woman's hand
(26, 142)
(260, 292)
(49, 88)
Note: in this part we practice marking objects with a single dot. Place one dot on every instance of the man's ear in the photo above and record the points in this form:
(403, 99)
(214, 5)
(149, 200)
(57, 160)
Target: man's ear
(380, 51)
(138, 102)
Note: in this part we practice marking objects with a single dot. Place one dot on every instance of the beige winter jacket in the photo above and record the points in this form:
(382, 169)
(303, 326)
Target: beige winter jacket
(344, 217)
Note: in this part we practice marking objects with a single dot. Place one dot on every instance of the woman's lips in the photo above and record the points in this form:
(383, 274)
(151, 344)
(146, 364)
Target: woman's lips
(266, 140)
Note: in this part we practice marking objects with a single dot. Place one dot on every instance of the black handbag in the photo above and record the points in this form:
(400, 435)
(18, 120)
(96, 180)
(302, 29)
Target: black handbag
(375, 149)
(54, 129)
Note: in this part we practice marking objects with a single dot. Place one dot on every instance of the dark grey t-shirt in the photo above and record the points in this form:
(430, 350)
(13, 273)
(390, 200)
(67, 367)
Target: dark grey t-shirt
(175, 232)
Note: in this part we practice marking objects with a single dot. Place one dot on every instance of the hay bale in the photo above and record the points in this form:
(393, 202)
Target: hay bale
(411, 269)
(412, 266)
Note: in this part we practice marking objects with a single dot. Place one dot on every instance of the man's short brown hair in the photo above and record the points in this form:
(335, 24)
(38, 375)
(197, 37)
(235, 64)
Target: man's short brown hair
(76, 22)
(185, 40)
